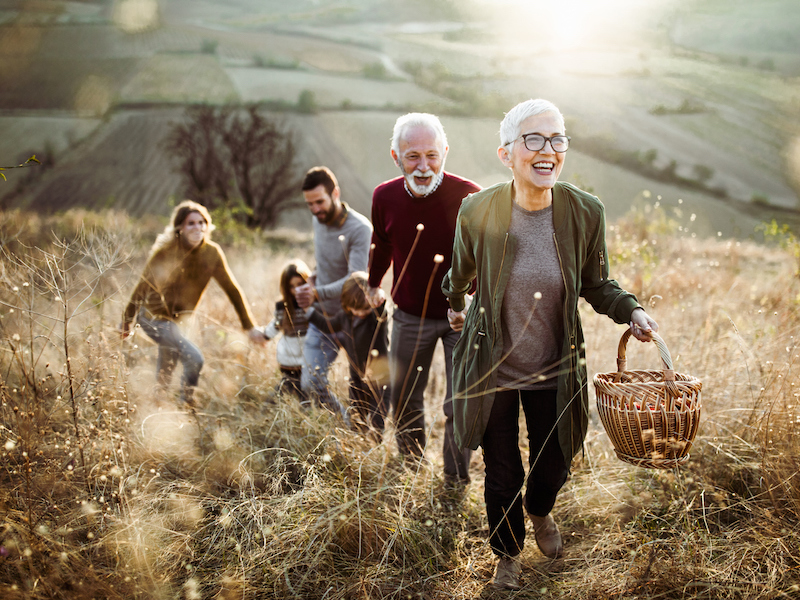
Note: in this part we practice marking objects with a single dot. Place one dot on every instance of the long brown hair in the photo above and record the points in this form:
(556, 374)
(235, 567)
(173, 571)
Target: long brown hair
(179, 213)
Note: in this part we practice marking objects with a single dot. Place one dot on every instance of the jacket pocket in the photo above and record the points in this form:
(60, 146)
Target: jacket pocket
(472, 357)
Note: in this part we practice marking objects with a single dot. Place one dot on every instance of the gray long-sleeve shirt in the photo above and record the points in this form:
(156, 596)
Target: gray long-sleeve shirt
(339, 249)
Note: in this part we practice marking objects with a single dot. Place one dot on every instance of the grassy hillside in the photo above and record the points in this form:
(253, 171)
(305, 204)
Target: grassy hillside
(755, 34)
(706, 134)
(675, 91)
(123, 163)
(110, 490)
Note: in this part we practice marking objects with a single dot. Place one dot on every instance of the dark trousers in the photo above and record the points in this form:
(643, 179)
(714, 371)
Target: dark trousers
(413, 344)
(370, 402)
(505, 474)
(290, 382)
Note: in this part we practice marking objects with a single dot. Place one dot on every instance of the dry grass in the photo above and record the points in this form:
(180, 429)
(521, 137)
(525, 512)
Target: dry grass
(108, 490)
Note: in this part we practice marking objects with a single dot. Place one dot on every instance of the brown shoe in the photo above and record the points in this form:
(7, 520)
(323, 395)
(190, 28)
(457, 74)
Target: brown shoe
(506, 575)
(548, 537)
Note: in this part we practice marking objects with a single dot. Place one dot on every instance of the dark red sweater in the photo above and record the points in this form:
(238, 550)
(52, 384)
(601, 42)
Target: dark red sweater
(395, 216)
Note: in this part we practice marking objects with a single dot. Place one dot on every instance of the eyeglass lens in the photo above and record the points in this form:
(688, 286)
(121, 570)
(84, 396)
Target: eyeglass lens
(535, 142)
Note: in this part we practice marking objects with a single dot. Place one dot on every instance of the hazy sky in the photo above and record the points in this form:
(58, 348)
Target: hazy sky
(573, 23)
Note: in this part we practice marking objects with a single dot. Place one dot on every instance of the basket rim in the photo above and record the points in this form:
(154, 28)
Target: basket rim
(612, 374)
(668, 382)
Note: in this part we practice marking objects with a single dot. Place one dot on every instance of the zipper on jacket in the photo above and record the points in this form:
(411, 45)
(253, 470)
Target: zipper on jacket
(602, 258)
(572, 350)
(563, 276)
(566, 297)
(497, 283)
(500, 270)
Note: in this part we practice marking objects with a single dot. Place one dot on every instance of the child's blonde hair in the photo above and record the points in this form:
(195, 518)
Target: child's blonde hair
(354, 292)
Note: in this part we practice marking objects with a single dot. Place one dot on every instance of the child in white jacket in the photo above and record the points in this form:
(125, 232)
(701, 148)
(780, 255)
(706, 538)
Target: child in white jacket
(291, 324)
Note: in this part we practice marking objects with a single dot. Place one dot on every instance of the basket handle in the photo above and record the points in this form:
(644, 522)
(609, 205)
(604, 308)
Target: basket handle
(666, 359)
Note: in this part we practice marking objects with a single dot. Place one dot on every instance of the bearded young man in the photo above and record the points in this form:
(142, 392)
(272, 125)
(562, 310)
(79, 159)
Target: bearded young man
(341, 247)
(414, 219)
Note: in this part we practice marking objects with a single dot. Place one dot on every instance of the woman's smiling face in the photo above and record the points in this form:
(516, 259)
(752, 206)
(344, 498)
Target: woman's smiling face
(536, 171)
(193, 229)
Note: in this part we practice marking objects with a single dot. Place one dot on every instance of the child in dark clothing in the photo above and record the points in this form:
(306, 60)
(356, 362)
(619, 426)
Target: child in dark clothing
(291, 324)
(366, 342)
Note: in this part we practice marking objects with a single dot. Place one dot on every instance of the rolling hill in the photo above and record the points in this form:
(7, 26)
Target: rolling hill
(717, 113)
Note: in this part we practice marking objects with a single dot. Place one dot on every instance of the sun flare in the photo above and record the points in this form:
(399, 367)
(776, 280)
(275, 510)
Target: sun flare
(567, 24)
(134, 16)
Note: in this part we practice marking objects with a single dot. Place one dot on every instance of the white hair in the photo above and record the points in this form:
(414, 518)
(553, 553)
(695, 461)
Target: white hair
(416, 120)
(512, 122)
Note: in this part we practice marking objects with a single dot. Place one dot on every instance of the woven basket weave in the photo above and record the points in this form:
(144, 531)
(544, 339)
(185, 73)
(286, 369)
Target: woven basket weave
(650, 416)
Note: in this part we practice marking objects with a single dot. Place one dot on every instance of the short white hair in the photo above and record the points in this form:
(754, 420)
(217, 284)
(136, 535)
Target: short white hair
(416, 119)
(512, 122)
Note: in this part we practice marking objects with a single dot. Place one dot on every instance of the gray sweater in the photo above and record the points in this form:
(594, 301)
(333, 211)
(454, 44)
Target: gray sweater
(337, 258)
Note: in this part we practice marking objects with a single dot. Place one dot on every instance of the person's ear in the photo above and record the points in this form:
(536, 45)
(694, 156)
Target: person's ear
(395, 159)
(336, 195)
(504, 155)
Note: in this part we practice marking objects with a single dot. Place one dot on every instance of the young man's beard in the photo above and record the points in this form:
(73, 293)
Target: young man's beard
(327, 217)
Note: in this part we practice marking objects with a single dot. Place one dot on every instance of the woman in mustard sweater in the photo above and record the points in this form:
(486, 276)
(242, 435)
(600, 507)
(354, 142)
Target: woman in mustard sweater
(182, 262)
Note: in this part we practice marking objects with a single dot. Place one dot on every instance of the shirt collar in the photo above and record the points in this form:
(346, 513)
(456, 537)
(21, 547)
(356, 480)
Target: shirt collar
(342, 216)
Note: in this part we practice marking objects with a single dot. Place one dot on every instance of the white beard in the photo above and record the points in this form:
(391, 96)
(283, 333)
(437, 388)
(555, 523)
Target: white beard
(424, 190)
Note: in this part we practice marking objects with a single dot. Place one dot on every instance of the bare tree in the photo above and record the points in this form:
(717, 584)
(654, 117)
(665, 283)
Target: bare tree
(237, 157)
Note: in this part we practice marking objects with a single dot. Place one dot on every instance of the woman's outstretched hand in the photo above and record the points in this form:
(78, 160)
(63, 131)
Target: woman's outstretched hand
(642, 325)
(256, 336)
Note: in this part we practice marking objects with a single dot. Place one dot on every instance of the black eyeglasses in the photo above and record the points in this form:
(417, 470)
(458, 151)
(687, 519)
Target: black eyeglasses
(535, 142)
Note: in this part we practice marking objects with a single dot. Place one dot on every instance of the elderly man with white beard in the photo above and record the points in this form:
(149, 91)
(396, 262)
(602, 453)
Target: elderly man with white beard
(414, 220)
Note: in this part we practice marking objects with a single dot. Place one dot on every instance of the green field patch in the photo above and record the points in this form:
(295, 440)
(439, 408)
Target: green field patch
(55, 132)
(330, 91)
(180, 78)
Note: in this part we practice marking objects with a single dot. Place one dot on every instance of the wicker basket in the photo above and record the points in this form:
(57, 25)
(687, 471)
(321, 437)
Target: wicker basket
(650, 416)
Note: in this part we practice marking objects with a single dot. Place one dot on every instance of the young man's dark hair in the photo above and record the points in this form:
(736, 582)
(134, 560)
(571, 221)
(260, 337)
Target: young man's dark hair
(320, 176)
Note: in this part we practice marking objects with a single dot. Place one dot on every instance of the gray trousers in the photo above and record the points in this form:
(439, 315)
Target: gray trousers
(173, 346)
(413, 343)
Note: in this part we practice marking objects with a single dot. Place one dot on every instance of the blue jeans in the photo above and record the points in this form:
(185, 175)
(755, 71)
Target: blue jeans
(172, 347)
(319, 352)
(413, 342)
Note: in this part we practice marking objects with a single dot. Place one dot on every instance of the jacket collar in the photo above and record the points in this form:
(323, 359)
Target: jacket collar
(504, 202)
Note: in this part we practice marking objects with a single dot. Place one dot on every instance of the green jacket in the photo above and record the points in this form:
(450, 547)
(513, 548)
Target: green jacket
(484, 249)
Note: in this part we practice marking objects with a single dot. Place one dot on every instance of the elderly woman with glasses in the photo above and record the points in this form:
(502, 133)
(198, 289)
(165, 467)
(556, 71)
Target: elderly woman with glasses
(535, 246)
